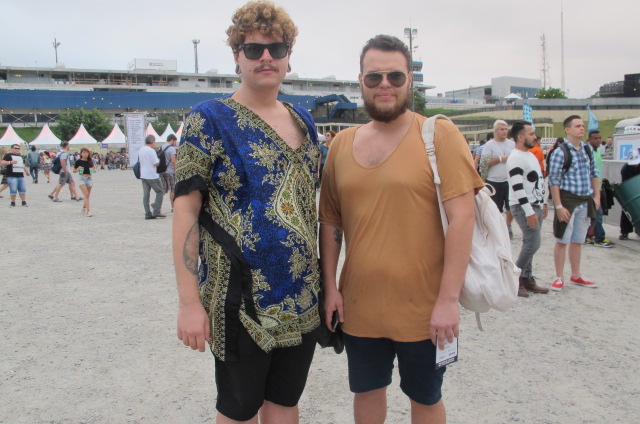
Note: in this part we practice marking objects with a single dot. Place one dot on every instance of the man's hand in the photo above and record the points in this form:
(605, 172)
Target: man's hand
(445, 320)
(563, 214)
(332, 302)
(532, 221)
(545, 211)
(597, 200)
(193, 325)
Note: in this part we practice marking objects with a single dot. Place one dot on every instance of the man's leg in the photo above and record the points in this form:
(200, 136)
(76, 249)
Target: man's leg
(146, 189)
(431, 414)
(221, 419)
(156, 185)
(270, 413)
(599, 233)
(370, 407)
(575, 250)
(559, 255)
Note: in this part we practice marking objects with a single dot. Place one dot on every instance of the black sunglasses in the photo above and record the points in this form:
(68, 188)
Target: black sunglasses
(254, 51)
(395, 78)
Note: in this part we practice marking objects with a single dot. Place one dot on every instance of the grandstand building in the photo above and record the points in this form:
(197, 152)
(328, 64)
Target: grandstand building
(34, 96)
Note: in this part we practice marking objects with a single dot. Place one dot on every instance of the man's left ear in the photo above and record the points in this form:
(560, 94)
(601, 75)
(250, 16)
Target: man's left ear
(288, 67)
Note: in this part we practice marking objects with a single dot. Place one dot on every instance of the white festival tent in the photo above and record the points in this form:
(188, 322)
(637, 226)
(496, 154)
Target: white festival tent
(11, 137)
(165, 134)
(151, 131)
(116, 137)
(82, 137)
(46, 138)
(179, 132)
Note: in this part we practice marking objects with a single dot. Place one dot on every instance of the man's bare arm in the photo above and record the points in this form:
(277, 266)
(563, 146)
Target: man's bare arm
(445, 318)
(330, 245)
(193, 322)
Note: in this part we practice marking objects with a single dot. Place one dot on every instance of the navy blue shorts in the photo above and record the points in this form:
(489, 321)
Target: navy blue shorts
(278, 376)
(371, 365)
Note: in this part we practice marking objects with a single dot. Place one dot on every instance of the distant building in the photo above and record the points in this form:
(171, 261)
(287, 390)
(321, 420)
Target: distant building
(500, 88)
(30, 95)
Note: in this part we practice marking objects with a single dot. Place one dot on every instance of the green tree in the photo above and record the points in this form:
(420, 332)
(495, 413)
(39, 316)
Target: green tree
(419, 102)
(162, 121)
(94, 121)
(550, 93)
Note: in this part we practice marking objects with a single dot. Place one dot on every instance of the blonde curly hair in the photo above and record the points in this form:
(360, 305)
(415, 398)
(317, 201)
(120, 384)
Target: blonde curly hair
(264, 17)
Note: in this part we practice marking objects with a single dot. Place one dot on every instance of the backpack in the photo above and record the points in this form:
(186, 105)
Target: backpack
(491, 280)
(56, 166)
(162, 166)
(568, 157)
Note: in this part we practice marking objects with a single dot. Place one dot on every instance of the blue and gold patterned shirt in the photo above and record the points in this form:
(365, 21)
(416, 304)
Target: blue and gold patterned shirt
(261, 194)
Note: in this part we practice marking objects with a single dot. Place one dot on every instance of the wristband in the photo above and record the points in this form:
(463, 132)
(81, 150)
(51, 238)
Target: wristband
(500, 159)
(559, 206)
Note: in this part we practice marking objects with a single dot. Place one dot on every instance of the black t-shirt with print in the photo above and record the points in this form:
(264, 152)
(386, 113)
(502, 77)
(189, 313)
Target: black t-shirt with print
(10, 173)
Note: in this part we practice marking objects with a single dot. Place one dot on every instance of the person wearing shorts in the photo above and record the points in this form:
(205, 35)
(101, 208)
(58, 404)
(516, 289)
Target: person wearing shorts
(377, 188)
(496, 152)
(168, 177)
(65, 175)
(245, 211)
(576, 198)
(15, 169)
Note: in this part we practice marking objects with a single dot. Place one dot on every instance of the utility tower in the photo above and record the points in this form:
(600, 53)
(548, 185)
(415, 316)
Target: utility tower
(544, 70)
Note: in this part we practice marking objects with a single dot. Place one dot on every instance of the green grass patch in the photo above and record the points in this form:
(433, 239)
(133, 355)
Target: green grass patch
(607, 128)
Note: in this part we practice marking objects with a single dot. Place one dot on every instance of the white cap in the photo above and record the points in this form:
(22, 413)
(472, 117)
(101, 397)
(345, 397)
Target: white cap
(321, 137)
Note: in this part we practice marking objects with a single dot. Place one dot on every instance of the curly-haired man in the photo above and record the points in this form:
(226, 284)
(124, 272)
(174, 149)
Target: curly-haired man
(245, 213)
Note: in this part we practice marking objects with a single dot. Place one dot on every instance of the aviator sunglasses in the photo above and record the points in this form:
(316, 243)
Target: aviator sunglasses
(253, 51)
(395, 78)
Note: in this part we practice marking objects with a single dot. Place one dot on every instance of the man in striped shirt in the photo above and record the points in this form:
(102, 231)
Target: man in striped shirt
(527, 202)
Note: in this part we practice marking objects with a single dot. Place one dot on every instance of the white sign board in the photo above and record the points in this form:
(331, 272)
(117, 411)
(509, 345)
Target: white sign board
(134, 123)
(623, 144)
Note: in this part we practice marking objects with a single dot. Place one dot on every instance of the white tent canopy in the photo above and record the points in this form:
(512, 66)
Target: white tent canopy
(165, 134)
(46, 138)
(82, 137)
(513, 96)
(116, 136)
(179, 132)
(11, 137)
(151, 131)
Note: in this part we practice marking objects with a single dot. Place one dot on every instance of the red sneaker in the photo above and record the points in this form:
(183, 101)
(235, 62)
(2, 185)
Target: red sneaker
(557, 284)
(583, 283)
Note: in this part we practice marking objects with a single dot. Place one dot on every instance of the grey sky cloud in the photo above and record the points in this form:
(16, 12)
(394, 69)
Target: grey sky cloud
(462, 43)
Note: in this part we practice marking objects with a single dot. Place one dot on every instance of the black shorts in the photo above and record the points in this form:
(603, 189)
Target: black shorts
(278, 377)
(501, 197)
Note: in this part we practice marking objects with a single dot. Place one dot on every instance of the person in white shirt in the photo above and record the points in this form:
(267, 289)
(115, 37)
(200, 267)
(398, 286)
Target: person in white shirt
(149, 161)
(496, 151)
(527, 202)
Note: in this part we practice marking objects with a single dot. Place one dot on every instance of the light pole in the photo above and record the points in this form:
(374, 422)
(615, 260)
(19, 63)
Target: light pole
(195, 50)
(56, 44)
(410, 33)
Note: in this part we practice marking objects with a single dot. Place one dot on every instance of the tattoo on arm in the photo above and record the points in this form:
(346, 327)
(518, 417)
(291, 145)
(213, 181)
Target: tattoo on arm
(337, 235)
(190, 249)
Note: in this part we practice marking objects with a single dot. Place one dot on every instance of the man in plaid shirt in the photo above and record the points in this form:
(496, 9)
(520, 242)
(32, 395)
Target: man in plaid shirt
(576, 197)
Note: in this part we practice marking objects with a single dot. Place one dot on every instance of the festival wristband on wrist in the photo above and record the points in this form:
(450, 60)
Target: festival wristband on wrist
(559, 206)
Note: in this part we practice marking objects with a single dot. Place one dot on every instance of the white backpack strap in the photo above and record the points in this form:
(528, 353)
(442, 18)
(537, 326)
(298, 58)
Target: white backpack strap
(428, 136)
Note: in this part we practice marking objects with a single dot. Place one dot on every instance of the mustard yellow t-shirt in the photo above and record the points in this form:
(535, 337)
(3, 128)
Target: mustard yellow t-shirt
(391, 221)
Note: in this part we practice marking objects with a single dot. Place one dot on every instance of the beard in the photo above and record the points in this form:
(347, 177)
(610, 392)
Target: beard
(387, 114)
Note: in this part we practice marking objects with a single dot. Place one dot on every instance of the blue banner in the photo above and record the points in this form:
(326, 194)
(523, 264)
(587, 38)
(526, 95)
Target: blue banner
(527, 114)
(593, 121)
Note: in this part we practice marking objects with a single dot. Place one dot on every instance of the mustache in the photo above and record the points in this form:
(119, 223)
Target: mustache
(267, 67)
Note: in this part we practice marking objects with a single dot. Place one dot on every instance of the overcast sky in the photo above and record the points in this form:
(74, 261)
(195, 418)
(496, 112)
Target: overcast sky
(461, 42)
